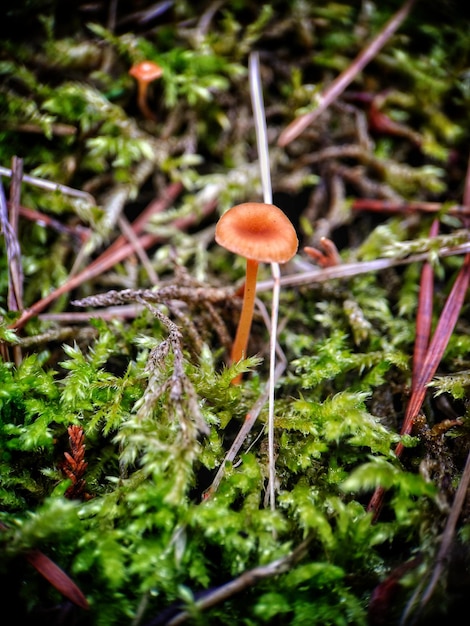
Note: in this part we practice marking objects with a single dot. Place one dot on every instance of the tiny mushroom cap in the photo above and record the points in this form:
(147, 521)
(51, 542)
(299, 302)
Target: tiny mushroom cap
(146, 71)
(257, 231)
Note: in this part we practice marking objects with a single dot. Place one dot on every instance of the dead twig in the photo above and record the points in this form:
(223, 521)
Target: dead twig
(348, 270)
(48, 185)
(247, 579)
(295, 128)
(389, 206)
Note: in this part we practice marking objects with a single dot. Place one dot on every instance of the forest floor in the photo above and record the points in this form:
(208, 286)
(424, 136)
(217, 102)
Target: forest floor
(146, 475)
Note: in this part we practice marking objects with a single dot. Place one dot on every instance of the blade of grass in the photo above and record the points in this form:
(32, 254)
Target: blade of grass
(55, 575)
(437, 346)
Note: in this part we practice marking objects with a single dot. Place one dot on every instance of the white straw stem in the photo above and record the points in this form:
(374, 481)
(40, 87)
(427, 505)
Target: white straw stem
(263, 156)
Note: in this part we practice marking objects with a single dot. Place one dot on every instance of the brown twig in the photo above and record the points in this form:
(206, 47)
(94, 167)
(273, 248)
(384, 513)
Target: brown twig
(348, 270)
(247, 579)
(388, 206)
(295, 128)
(80, 233)
(134, 240)
(48, 185)
(15, 273)
(9, 230)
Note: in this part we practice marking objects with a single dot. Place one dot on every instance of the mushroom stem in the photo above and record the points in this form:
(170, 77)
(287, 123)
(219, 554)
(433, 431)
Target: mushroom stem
(244, 325)
(142, 103)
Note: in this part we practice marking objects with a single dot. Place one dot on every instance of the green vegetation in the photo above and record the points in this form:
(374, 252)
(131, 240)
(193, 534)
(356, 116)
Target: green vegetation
(116, 402)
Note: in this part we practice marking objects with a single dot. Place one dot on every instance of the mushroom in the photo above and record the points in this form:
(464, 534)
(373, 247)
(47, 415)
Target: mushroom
(145, 72)
(260, 233)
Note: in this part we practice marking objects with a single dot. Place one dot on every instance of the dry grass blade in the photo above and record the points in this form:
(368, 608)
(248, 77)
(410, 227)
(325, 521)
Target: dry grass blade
(348, 270)
(389, 206)
(263, 155)
(438, 343)
(43, 183)
(15, 277)
(12, 249)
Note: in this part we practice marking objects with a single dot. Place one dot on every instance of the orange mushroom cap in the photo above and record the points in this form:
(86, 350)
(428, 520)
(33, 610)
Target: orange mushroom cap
(146, 71)
(257, 231)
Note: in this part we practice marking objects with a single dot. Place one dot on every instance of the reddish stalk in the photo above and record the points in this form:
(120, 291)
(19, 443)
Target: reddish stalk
(240, 342)
(57, 577)
(424, 313)
(81, 233)
(426, 355)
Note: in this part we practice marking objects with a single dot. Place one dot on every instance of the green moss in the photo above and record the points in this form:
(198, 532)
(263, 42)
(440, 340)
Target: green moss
(133, 517)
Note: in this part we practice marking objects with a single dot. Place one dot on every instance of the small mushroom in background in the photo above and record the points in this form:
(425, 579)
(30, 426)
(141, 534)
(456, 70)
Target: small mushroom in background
(260, 233)
(145, 72)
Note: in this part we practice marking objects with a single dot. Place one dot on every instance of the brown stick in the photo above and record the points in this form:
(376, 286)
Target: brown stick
(390, 206)
(423, 372)
(295, 128)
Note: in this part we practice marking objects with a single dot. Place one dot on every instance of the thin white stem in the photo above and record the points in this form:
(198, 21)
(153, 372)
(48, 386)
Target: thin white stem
(263, 156)
(272, 380)
(260, 127)
(250, 420)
